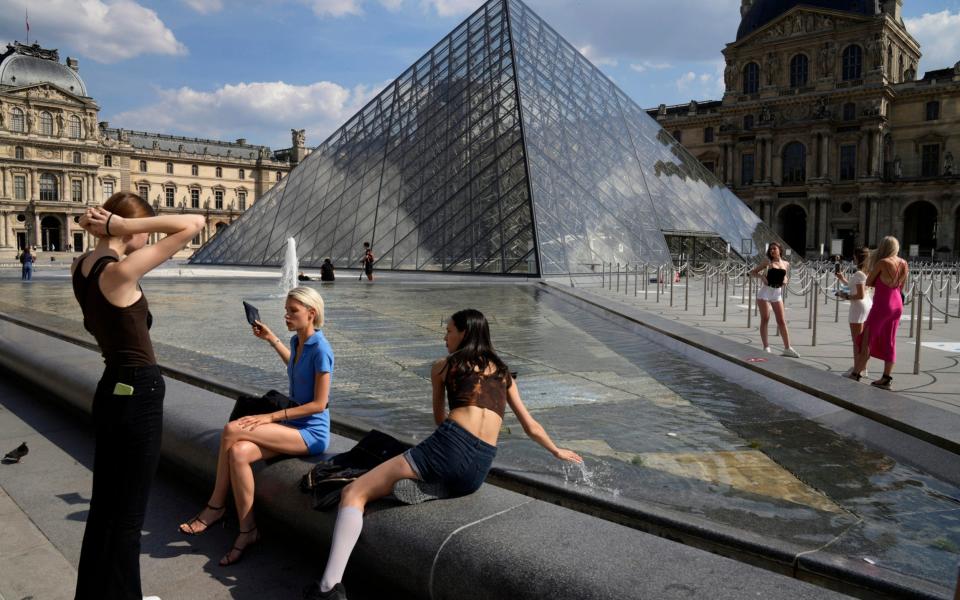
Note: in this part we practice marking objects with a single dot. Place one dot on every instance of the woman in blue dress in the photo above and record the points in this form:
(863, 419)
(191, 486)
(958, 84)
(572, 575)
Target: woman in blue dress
(301, 430)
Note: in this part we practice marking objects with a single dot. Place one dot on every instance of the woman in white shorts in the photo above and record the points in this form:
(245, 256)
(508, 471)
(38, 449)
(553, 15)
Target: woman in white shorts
(860, 296)
(773, 272)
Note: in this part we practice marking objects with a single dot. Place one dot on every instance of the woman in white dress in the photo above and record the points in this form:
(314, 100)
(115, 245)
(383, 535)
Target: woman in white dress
(859, 295)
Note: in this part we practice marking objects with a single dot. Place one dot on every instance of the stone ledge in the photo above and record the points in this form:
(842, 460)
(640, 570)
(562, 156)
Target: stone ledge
(492, 544)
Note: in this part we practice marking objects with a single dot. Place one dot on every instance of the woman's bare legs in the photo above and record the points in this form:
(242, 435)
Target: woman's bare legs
(778, 312)
(863, 352)
(855, 330)
(249, 446)
(374, 484)
(764, 307)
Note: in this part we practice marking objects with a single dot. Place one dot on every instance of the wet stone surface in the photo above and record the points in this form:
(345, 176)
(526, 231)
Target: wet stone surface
(655, 429)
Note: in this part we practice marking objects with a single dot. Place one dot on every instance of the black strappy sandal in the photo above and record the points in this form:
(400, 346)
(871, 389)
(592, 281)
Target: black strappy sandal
(226, 562)
(197, 519)
(883, 383)
(854, 376)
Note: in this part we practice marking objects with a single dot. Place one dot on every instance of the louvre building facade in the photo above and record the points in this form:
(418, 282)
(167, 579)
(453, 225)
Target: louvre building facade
(502, 150)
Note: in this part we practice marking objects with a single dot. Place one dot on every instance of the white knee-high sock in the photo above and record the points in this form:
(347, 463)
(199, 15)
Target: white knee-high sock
(345, 535)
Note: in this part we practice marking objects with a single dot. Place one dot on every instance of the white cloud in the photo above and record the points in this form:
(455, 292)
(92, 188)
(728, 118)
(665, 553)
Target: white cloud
(392, 5)
(335, 8)
(703, 85)
(937, 34)
(453, 8)
(646, 65)
(596, 59)
(102, 31)
(263, 112)
(205, 7)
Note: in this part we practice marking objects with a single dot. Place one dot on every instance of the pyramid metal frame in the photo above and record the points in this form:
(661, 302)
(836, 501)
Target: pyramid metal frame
(502, 150)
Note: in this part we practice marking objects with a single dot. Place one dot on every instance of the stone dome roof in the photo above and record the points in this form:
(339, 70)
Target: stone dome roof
(21, 66)
(764, 11)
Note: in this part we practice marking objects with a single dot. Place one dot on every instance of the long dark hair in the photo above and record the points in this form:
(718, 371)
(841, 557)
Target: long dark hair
(476, 350)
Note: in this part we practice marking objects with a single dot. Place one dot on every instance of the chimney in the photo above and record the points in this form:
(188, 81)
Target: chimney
(73, 64)
(241, 141)
(744, 7)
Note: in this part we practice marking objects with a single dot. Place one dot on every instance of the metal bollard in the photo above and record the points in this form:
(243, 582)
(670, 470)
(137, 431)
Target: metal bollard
(716, 289)
(836, 302)
(671, 285)
(813, 337)
(659, 281)
(916, 350)
(686, 288)
(750, 303)
(946, 310)
(706, 279)
(726, 279)
(913, 311)
(646, 281)
(930, 319)
(636, 270)
(618, 278)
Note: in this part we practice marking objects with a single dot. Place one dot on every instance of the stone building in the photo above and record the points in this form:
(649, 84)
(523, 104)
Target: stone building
(826, 131)
(56, 158)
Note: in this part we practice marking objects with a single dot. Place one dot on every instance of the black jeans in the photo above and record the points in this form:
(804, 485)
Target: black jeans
(128, 432)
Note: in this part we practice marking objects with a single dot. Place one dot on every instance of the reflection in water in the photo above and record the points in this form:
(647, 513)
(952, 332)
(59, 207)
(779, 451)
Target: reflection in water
(655, 429)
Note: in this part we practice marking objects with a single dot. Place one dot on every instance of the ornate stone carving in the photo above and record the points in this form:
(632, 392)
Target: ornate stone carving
(772, 68)
(299, 137)
(948, 163)
(826, 59)
(730, 75)
(692, 108)
(766, 115)
(897, 167)
(820, 110)
(29, 121)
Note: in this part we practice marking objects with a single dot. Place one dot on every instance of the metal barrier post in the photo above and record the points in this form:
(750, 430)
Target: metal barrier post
(686, 287)
(636, 270)
(671, 285)
(930, 319)
(706, 278)
(916, 350)
(646, 281)
(750, 303)
(716, 289)
(836, 301)
(659, 281)
(816, 290)
(726, 279)
(618, 278)
(913, 310)
(603, 274)
(946, 309)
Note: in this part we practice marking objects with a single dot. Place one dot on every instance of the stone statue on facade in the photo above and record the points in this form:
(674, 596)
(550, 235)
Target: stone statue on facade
(156, 145)
(820, 110)
(3, 115)
(60, 125)
(730, 75)
(826, 59)
(692, 108)
(765, 115)
(299, 137)
(897, 167)
(29, 121)
(772, 68)
(662, 110)
(948, 163)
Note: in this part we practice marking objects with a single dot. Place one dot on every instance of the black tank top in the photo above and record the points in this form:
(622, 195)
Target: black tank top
(775, 277)
(123, 334)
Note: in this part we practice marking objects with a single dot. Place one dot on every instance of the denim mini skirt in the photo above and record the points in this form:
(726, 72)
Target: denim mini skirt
(454, 457)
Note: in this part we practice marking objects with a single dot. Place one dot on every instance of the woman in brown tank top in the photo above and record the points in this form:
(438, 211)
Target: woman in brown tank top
(128, 403)
(455, 459)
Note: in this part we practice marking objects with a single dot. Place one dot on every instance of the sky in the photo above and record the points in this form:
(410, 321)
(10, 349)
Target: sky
(226, 69)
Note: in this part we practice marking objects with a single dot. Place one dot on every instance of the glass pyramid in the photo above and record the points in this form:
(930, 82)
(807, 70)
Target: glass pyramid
(502, 150)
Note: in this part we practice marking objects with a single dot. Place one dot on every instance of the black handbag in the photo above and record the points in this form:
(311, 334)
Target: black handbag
(270, 402)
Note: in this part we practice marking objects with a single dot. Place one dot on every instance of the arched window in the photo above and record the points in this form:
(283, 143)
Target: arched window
(751, 78)
(77, 159)
(242, 174)
(794, 163)
(46, 123)
(279, 175)
(75, 127)
(852, 62)
(18, 152)
(169, 168)
(219, 171)
(748, 122)
(798, 71)
(194, 170)
(16, 118)
(48, 188)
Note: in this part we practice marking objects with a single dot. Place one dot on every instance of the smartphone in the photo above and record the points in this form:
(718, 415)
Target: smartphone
(836, 267)
(253, 314)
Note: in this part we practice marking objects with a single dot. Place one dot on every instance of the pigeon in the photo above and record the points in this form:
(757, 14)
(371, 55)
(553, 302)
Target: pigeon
(14, 456)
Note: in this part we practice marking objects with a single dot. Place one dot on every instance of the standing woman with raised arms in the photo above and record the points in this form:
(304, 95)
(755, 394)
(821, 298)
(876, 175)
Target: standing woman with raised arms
(773, 272)
(128, 402)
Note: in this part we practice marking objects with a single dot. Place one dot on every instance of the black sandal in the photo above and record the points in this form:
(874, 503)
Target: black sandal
(226, 562)
(854, 376)
(883, 383)
(197, 519)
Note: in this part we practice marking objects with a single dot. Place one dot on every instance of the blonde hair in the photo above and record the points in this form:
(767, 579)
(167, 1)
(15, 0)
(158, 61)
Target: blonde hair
(310, 298)
(888, 246)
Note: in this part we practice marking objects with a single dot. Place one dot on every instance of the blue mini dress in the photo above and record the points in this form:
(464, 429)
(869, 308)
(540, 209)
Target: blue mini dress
(317, 358)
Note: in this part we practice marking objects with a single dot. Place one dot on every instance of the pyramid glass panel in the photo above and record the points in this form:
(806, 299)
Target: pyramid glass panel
(502, 150)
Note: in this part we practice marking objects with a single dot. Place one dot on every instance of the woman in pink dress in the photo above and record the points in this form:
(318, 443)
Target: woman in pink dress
(879, 337)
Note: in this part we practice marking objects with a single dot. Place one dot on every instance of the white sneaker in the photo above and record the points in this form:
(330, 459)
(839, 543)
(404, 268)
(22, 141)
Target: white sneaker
(151, 598)
(768, 349)
(790, 352)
